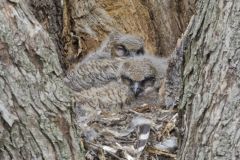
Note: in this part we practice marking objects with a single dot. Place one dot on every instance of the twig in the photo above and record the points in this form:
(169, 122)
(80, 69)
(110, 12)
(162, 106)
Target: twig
(160, 152)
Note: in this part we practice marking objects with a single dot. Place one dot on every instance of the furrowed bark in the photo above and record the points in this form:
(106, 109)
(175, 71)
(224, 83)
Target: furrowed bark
(35, 104)
(210, 113)
(36, 119)
(87, 24)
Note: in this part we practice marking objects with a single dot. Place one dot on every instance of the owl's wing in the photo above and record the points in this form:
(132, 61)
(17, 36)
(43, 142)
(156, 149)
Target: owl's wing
(93, 103)
(108, 98)
(95, 73)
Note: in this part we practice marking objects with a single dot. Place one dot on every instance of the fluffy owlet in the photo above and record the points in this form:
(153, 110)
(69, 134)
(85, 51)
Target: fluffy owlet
(100, 68)
(136, 78)
(144, 76)
(95, 73)
(113, 80)
(118, 45)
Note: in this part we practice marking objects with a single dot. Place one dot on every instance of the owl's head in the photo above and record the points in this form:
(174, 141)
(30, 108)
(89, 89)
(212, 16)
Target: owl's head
(141, 75)
(126, 45)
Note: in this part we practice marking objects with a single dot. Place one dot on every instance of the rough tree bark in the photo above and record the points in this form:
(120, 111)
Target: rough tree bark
(36, 120)
(86, 23)
(210, 112)
(49, 14)
(35, 105)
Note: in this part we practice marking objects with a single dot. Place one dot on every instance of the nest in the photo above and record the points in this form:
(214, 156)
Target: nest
(112, 135)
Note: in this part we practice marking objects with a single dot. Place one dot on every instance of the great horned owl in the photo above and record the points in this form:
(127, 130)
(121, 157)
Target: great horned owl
(95, 73)
(108, 99)
(100, 68)
(135, 77)
(118, 45)
(139, 73)
(144, 76)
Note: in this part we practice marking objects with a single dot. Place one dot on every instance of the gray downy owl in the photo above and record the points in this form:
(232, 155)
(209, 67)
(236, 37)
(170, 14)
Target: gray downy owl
(118, 45)
(137, 78)
(95, 73)
(144, 75)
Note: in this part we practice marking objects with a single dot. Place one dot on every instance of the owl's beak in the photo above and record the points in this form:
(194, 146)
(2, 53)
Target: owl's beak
(136, 88)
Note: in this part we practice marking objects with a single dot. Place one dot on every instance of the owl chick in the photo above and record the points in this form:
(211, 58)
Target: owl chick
(136, 77)
(111, 98)
(144, 70)
(100, 68)
(143, 74)
(95, 73)
(118, 45)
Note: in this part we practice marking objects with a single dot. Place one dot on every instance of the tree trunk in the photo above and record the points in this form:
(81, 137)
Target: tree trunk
(209, 110)
(35, 104)
(49, 14)
(87, 23)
